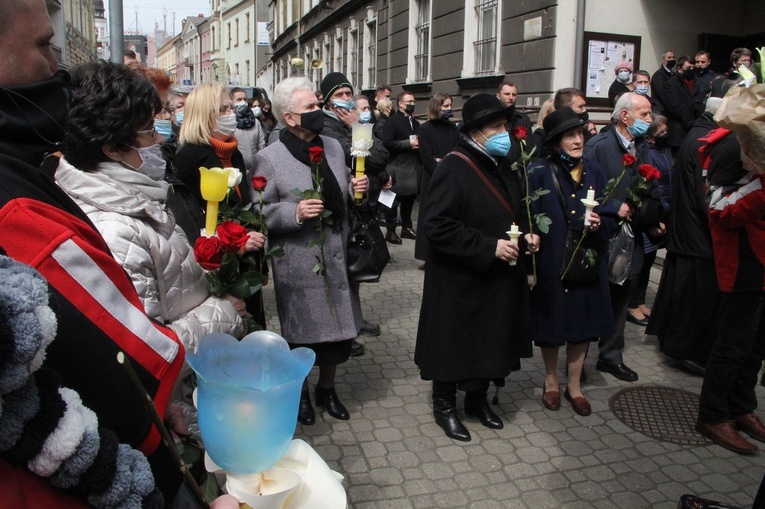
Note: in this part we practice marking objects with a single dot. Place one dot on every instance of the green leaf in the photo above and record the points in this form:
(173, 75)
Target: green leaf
(543, 222)
(301, 194)
(247, 217)
(317, 268)
(514, 166)
(591, 256)
(276, 252)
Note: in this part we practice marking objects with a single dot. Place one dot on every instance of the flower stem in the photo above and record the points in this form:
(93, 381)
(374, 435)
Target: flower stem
(568, 266)
(528, 210)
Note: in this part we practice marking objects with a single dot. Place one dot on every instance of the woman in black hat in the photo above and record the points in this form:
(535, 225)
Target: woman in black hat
(474, 322)
(569, 312)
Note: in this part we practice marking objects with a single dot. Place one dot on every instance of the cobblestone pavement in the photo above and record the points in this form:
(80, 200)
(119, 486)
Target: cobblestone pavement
(393, 455)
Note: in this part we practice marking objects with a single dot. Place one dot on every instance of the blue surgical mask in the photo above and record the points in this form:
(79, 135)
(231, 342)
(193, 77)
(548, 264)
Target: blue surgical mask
(346, 105)
(446, 114)
(179, 117)
(641, 89)
(639, 128)
(164, 127)
(497, 144)
(365, 117)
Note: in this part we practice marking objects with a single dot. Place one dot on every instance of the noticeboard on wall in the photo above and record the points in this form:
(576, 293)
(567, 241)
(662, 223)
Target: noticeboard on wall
(602, 53)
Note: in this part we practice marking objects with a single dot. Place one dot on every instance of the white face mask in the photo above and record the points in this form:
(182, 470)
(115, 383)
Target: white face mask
(624, 76)
(153, 165)
(256, 111)
(226, 125)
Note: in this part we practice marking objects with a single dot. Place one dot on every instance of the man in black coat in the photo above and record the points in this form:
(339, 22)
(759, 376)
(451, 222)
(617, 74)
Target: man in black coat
(400, 138)
(704, 77)
(677, 97)
(339, 115)
(661, 76)
(631, 120)
(507, 93)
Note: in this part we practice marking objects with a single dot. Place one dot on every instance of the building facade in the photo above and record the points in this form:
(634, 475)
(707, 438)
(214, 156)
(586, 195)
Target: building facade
(80, 32)
(471, 46)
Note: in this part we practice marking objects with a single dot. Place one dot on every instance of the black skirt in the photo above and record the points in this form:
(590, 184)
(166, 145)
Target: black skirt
(330, 353)
(684, 315)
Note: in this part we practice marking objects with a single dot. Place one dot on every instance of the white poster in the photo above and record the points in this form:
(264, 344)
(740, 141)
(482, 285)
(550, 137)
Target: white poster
(263, 38)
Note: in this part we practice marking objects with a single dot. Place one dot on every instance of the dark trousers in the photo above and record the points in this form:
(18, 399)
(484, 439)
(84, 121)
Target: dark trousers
(611, 348)
(736, 359)
(407, 204)
(639, 284)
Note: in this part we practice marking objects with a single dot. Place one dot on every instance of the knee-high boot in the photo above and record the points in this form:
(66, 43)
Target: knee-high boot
(445, 411)
(477, 404)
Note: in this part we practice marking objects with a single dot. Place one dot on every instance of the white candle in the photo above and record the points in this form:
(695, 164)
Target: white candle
(591, 195)
(514, 233)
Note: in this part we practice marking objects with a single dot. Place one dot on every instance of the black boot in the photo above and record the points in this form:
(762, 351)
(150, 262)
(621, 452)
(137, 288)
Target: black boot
(445, 410)
(477, 404)
(306, 414)
(329, 400)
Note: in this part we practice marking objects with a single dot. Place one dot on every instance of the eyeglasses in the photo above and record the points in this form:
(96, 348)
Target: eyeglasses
(148, 132)
(226, 108)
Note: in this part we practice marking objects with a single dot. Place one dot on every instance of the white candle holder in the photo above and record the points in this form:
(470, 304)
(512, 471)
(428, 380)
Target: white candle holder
(514, 233)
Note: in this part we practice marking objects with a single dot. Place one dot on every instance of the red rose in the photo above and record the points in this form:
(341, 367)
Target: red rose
(208, 252)
(648, 172)
(233, 236)
(259, 183)
(519, 133)
(628, 160)
(315, 154)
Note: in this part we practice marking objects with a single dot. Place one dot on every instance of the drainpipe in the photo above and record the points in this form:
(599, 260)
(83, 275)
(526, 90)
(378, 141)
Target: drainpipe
(579, 44)
(390, 35)
(116, 37)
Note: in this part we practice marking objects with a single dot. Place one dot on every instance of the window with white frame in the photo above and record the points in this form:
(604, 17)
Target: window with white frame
(370, 43)
(353, 49)
(236, 23)
(247, 27)
(418, 70)
(482, 32)
(327, 54)
(339, 50)
(318, 72)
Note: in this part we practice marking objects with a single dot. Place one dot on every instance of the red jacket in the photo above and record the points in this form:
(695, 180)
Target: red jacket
(736, 218)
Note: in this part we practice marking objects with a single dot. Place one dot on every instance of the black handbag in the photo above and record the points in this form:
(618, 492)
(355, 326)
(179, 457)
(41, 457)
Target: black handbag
(579, 265)
(367, 250)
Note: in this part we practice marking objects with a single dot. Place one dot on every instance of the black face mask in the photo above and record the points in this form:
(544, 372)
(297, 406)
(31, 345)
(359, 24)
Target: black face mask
(33, 117)
(661, 142)
(671, 63)
(688, 74)
(312, 121)
(409, 108)
(699, 71)
(584, 116)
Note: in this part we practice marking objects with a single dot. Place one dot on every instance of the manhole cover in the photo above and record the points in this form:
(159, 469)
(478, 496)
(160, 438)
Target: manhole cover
(663, 413)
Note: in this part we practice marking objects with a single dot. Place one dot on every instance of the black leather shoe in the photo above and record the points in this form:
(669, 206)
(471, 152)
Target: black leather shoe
(694, 367)
(445, 413)
(479, 407)
(620, 371)
(392, 237)
(357, 348)
(370, 329)
(408, 233)
(637, 321)
(306, 414)
(328, 399)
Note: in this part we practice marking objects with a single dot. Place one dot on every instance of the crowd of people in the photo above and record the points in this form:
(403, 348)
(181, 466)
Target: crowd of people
(101, 195)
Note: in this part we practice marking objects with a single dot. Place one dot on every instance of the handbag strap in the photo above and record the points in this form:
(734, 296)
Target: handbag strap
(561, 200)
(485, 181)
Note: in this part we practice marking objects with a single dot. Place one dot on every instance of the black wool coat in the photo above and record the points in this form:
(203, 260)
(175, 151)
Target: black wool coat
(437, 138)
(475, 314)
(405, 162)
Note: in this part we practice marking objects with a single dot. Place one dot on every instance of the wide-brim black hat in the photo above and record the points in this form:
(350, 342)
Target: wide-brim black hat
(558, 122)
(481, 109)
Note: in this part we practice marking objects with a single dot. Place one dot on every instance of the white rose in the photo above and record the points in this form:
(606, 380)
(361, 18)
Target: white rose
(234, 176)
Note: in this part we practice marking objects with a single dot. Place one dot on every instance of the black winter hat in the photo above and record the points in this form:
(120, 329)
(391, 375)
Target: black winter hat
(481, 109)
(332, 82)
(560, 121)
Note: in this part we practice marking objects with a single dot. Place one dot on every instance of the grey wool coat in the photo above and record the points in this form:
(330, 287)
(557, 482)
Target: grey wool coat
(301, 300)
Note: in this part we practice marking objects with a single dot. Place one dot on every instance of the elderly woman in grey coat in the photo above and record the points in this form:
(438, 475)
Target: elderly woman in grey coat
(318, 309)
